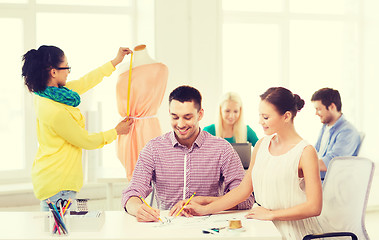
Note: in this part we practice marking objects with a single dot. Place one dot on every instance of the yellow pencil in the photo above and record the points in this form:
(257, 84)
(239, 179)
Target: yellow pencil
(149, 206)
(67, 204)
(185, 204)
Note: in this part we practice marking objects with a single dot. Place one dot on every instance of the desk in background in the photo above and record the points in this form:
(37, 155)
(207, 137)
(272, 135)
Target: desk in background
(119, 225)
(109, 177)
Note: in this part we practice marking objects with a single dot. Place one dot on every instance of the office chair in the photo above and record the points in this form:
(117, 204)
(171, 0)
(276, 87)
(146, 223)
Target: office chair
(345, 193)
(152, 196)
(362, 136)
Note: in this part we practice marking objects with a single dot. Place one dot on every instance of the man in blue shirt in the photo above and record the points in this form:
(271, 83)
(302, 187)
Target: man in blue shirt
(338, 137)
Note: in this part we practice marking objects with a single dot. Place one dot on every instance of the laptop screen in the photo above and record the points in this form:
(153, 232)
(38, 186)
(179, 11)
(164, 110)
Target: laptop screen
(244, 152)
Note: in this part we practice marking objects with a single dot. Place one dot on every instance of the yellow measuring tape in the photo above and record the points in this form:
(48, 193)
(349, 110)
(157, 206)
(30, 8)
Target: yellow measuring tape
(129, 82)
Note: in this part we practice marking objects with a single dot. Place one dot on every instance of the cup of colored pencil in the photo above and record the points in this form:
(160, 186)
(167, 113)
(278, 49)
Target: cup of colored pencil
(57, 218)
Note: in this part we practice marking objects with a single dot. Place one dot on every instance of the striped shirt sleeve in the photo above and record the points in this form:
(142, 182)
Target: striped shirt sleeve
(142, 175)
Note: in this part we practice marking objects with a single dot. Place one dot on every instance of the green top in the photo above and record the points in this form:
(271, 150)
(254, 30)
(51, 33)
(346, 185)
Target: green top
(251, 135)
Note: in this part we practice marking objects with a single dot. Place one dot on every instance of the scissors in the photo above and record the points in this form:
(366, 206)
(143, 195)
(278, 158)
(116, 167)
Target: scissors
(61, 202)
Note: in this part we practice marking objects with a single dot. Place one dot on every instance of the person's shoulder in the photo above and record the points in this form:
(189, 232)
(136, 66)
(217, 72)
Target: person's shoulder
(249, 129)
(162, 139)
(48, 108)
(214, 140)
(259, 142)
(351, 126)
(156, 145)
(46, 102)
(309, 153)
(216, 145)
(343, 122)
(210, 128)
(306, 145)
(265, 140)
(347, 127)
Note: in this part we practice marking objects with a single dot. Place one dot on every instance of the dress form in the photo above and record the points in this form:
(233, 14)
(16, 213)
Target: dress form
(141, 56)
(148, 84)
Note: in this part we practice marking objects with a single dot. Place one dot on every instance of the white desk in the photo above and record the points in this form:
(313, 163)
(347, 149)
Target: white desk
(120, 225)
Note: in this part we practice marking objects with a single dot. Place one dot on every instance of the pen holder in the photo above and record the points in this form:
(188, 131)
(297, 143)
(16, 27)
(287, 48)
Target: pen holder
(58, 224)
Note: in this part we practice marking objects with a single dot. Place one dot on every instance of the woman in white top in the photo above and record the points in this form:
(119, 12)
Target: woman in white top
(283, 173)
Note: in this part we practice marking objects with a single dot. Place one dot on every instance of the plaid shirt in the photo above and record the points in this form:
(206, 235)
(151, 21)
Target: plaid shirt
(210, 167)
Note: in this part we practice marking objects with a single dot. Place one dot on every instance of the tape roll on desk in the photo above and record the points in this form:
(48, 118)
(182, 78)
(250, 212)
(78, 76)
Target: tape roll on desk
(235, 224)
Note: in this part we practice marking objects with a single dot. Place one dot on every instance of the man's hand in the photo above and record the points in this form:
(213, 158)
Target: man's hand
(147, 214)
(141, 211)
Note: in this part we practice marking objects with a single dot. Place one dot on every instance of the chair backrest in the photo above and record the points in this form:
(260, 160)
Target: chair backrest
(362, 136)
(244, 152)
(345, 193)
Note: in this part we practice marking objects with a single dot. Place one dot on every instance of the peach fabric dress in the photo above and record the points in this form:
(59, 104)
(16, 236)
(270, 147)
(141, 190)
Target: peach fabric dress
(148, 86)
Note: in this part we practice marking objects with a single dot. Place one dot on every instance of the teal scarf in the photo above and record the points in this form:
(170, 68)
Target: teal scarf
(61, 94)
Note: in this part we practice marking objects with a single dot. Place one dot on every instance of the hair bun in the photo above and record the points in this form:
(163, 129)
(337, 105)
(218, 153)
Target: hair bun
(31, 54)
(298, 102)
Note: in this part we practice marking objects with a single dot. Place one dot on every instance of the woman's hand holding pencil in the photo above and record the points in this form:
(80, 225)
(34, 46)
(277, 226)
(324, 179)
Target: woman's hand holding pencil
(178, 208)
(196, 209)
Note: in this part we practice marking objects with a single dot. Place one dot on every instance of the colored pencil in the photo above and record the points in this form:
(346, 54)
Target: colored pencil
(57, 216)
(67, 206)
(56, 221)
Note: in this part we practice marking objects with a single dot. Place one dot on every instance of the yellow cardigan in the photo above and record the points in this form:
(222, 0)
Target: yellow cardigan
(61, 137)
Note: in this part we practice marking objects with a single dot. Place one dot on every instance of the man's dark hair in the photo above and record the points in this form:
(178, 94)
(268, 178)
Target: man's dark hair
(327, 96)
(186, 94)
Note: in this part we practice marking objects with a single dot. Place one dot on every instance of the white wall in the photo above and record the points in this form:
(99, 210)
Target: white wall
(187, 41)
(370, 88)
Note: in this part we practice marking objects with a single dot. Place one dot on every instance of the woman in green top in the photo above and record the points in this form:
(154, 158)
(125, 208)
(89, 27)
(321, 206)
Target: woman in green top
(230, 124)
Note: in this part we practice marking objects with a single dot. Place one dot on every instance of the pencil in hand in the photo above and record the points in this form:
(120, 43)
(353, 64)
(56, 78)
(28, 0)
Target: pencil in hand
(148, 206)
(185, 204)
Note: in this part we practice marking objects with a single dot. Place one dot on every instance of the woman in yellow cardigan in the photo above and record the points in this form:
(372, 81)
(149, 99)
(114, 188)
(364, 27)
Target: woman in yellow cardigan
(57, 168)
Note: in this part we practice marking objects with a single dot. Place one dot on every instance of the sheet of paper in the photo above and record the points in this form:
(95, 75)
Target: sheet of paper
(200, 222)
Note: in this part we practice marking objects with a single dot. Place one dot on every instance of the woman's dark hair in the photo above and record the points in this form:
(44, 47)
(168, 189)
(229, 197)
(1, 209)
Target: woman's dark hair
(284, 100)
(38, 63)
(186, 94)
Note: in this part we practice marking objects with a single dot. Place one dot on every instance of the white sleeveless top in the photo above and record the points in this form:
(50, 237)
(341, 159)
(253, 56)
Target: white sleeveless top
(277, 185)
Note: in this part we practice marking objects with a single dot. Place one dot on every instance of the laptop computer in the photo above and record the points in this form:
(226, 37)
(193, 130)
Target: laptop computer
(244, 152)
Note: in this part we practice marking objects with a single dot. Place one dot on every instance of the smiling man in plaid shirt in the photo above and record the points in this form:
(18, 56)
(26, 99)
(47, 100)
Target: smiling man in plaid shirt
(183, 161)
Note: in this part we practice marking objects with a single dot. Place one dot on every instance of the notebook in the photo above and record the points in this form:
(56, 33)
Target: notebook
(244, 152)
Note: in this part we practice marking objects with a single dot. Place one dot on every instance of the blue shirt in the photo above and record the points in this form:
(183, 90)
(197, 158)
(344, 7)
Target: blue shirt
(344, 140)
